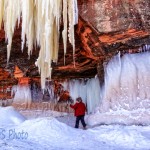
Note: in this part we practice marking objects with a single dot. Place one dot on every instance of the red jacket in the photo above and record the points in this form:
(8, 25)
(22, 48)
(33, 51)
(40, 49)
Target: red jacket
(79, 109)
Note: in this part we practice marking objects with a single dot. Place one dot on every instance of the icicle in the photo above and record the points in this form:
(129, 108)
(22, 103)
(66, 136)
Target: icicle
(40, 26)
(50, 37)
(57, 14)
(75, 12)
(28, 24)
(11, 14)
(1, 11)
(72, 5)
(38, 19)
(64, 32)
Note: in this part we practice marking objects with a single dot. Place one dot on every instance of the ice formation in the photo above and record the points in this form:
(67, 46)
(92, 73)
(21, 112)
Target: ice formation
(125, 96)
(1, 11)
(126, 93)
(40, 27)
(11, 16)
(127, 83)
(126, 87)
(64, 32)
(22, 94)
(87, 89)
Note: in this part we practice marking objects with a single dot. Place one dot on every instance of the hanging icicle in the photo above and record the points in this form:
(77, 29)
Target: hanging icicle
(64, 32)
(28, 24)
(1, 12)
(72, 10)
(40, 27)
(11, 15)
(50, 38)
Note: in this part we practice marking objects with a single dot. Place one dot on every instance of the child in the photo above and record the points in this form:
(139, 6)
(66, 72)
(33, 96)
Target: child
(79, 111)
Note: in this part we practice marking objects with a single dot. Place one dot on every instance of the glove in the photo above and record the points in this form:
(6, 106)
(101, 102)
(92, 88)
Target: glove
(71, 101)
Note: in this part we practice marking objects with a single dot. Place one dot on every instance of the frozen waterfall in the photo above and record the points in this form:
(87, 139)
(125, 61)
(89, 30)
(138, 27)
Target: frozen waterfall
(88, 89)
(127, 83)
(21, 94)
(126, 92)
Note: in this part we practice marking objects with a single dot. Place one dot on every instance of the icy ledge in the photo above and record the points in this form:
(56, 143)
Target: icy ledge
(124, 117)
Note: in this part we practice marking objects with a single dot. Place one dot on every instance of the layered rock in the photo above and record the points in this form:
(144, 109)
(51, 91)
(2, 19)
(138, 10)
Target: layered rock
(104, 29)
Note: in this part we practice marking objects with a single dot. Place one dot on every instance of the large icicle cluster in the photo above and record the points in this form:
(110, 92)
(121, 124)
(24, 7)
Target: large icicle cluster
(40, 27)
(10, 17)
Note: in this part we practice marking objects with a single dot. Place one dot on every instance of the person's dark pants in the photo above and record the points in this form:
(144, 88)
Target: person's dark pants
(78, 118)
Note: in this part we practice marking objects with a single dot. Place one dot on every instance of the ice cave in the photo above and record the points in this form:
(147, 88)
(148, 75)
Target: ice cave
(51, 50)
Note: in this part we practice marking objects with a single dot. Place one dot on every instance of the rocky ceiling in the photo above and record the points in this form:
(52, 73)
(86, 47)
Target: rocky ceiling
(104, 28)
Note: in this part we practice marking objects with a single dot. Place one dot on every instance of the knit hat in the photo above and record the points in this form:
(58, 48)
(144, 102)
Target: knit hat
(79, 99)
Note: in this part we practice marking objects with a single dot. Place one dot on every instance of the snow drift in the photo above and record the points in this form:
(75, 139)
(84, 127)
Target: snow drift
(10, 116)
(48, 133)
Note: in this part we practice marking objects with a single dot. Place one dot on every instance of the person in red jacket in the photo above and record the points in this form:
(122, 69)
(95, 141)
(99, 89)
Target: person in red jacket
(79, 111)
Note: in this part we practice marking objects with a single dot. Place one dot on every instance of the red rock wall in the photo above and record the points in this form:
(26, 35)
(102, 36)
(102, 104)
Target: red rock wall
(115, 15)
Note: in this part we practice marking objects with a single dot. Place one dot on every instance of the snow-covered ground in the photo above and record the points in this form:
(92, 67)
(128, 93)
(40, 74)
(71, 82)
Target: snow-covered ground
(55, 131)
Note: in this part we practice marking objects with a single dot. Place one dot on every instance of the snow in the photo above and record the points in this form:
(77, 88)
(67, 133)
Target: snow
(58, 133)
(123, 117)
(10, 116)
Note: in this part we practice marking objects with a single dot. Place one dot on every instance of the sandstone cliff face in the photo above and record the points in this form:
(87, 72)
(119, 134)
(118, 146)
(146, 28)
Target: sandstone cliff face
(105, 27)
(116, 15)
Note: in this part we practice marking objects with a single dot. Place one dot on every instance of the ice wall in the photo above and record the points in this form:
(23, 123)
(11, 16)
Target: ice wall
(127, 83)
(127, 86)
(88, 89)
(21, 94)
(126, 91)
